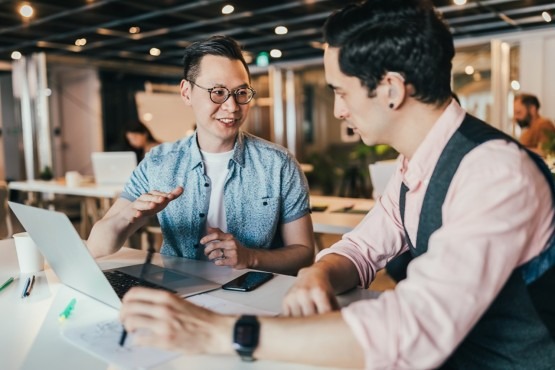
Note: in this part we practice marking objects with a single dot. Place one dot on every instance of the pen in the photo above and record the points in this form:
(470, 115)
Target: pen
(143, 271)
(65, 313)
(26, 286)
(8, 282)
(30, 287)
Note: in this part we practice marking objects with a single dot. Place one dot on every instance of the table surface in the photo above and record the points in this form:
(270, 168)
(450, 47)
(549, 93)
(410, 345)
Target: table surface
(59, 187)
(31, 333)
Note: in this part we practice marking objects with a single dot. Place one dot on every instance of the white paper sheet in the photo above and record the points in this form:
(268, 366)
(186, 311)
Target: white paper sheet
(101, 339)
(227, 307)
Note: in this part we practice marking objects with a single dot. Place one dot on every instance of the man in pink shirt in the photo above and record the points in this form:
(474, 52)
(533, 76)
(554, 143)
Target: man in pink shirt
(474, 209)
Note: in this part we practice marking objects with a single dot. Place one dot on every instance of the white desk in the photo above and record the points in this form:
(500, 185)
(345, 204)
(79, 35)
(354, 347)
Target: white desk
(90, 210)
(30, 337)
(333, 220)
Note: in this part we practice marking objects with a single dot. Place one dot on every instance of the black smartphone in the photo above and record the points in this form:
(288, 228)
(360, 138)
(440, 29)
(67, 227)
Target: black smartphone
(248, 281)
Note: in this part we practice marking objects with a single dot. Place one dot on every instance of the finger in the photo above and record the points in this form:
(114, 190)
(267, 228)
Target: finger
(175, 193)
(323, 302)
(212, 246)
(211, 237)
(150, 295)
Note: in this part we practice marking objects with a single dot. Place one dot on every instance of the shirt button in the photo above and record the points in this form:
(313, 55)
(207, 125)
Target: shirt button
(265, 203)
(201, 215)
(196, 245)
(206, 185)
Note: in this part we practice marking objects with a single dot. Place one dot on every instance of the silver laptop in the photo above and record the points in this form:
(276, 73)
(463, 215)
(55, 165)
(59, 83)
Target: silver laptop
(70, 259)
(113, 168)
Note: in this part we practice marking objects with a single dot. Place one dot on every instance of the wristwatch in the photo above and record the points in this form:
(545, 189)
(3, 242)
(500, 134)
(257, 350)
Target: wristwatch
(245, 336)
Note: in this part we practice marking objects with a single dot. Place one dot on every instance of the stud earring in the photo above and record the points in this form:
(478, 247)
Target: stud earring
(391, 105)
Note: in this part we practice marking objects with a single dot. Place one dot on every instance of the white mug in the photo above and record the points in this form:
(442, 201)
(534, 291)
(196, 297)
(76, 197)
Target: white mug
(28, 254)
(73, 178)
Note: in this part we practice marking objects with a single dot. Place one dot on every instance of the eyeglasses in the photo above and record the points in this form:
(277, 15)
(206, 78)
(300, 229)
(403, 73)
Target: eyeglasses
(219, 95)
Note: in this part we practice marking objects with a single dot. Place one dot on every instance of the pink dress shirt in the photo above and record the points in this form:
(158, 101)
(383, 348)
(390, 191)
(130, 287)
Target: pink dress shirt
(497, 215)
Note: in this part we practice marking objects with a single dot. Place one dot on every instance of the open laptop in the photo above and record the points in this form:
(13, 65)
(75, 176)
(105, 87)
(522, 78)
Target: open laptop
(70, 259)
(113, 168)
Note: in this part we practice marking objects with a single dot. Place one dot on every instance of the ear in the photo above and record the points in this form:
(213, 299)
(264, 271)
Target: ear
(397, 90)
(185, 89)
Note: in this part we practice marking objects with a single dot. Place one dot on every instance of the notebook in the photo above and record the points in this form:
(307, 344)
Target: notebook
(70, 259)
(113, 168)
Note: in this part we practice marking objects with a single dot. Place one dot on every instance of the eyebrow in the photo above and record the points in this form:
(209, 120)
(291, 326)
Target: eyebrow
(243, 85)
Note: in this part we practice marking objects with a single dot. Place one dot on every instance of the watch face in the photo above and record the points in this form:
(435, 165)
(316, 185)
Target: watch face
(246, 334)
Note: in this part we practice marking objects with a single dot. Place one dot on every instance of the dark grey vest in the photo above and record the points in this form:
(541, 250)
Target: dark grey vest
(517, 331)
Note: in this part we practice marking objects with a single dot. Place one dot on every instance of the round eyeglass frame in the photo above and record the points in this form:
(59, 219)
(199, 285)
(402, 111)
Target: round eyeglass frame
(229, 93)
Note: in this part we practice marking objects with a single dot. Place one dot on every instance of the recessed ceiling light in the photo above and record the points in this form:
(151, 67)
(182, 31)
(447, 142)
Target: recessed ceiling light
(16, 55)
(26, 10)
(154, 52)
(228, 9)
(546, 17)
(515, 85)
(134, 29)
(81, 42)
(459, 2)
(469, 70)
(147, 117)
(281, 30)
(275, 53)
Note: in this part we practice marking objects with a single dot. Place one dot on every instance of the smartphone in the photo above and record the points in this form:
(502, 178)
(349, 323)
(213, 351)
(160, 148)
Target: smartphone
(248, 281)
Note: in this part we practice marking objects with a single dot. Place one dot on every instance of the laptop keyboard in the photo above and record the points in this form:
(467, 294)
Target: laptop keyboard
(122, 282)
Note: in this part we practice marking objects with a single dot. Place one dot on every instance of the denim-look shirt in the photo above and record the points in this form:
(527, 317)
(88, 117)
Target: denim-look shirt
(264, 188)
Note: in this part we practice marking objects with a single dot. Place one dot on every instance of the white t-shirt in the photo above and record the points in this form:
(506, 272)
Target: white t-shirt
(216, 165)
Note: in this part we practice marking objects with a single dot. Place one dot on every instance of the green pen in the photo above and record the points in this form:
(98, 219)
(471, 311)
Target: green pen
(65, 313)
(8, 282)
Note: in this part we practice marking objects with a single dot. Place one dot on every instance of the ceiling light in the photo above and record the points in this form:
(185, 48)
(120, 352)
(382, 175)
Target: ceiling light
(515, 85)
(546, 17)
(469, 70)
(459, 2)
(247, 57)
(228, 9)
(81, 42)
(147, 117)
(26, 10)
(16, 55)
(281, 30)
(134, 29)
(275, 53)
(154, 52)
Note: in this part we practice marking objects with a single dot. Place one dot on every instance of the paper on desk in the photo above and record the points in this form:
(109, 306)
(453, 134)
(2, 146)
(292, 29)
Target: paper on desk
(101, 339)
(227, 307)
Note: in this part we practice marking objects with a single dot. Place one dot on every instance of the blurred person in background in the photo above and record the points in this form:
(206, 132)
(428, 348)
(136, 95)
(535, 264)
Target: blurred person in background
(140, 139)
(536, 130)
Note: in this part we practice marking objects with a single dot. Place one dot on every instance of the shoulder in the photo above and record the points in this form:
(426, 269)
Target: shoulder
(172, 149)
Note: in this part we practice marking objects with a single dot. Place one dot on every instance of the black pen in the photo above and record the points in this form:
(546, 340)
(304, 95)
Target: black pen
(26, 286)
(28, 292)
(143, 271)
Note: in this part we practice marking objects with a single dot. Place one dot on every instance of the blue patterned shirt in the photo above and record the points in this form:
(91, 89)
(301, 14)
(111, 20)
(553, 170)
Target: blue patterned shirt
(264, 189)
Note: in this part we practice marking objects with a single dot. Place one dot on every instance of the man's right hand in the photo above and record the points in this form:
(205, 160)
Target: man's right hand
(311, 294)
(151, 203)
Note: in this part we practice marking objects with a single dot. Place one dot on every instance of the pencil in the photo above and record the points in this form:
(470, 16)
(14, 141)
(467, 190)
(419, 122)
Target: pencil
(28, 292)
(23, 294)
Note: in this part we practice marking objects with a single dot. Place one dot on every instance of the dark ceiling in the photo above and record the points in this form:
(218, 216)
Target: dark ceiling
(169, 25)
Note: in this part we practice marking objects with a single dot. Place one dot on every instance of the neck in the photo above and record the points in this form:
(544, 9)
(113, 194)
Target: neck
(215, 146)
(414, 123)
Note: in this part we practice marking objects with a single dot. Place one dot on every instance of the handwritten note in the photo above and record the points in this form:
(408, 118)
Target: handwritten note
(101, 339)
(227, 307)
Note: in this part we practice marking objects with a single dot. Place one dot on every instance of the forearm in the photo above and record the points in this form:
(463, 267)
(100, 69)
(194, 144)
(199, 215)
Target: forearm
(340, 271)
(286, 260)
(324, 340)
(109, 234)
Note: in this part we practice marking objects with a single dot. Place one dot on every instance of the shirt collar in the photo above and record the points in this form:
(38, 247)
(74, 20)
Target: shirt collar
(420, 167)
(238, 151)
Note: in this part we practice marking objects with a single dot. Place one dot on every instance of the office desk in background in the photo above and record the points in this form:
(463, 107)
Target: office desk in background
(31, 333)
(96, 198)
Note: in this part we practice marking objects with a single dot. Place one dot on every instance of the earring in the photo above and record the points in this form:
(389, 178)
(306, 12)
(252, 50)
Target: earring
(391, 105)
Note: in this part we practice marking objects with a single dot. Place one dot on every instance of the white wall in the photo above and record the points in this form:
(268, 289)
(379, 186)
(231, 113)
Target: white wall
(76, 109)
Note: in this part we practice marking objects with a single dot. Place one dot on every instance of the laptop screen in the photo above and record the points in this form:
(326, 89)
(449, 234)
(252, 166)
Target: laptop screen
(113, 168)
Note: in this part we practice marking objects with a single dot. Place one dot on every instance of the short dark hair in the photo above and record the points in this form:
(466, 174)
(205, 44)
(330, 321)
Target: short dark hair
(528, 100)
(405, 36)
(216, 45)
(139, 128)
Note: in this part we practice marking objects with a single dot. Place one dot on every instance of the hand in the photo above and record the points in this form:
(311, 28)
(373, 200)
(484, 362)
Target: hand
(312, 293)
(225, 250)
(151, 203)
(161, 319)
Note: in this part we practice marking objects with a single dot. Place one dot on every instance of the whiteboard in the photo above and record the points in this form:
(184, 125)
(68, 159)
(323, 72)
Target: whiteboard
(165, 114)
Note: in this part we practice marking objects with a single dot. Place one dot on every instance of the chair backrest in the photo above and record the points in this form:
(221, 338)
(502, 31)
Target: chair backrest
(380, 174)
(5, 225)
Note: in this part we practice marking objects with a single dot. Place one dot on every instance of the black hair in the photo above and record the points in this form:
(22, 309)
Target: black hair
(216, 45)
(405, 36)
(140, 128)
(528, 100)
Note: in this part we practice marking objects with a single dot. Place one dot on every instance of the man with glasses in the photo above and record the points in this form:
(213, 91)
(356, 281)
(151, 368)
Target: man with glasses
(220, 194)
